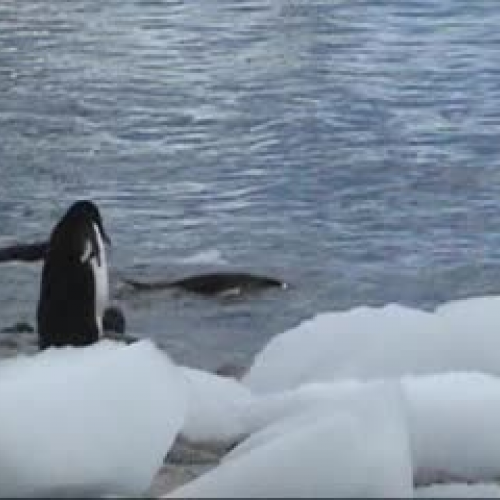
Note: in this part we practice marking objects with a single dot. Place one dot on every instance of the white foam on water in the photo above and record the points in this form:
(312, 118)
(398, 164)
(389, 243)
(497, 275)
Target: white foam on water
(211, 256)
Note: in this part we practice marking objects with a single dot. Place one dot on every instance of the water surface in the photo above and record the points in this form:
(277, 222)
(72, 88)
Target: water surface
(350, 147)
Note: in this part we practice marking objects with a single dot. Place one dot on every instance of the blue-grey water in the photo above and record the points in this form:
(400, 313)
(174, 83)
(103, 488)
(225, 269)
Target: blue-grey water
(349, 147)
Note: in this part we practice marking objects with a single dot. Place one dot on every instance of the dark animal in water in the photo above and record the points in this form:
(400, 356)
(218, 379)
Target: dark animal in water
(217, 283)
(27, 252)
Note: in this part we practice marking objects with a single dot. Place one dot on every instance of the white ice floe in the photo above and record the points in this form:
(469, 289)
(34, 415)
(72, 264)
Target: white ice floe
(87, 421)
(357, 448)
(271, 408)
(275, 415)
(454, 423)
(358, 403)
(446, 414)
(447, 363)
(390, 341)
(453, 420)
(216, 406)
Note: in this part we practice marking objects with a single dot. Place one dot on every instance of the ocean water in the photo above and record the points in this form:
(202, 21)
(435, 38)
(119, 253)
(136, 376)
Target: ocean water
(348, 147)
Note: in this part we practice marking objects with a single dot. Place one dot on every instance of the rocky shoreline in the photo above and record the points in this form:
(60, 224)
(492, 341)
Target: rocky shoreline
(185, 462)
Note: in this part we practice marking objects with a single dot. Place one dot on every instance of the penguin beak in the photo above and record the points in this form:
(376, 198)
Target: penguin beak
(104, 235)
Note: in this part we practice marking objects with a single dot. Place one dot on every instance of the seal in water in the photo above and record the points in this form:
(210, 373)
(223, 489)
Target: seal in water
(29, 252)
(74, 285)
(217, 283)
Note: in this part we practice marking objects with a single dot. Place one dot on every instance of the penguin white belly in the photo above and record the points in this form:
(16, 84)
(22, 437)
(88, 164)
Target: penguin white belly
(101, 284)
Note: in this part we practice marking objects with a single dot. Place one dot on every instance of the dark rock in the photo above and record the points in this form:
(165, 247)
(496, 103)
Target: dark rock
(114, 325)
(19, 327)
(185, 452)
(120, 337)
(231, 370)
(9, 343)
(114, 320)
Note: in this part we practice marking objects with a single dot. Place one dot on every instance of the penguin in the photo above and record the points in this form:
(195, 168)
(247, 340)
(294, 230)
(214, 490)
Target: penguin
(74, 287)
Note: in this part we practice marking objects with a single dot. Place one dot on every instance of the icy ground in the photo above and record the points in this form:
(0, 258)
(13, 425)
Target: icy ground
(381, 402)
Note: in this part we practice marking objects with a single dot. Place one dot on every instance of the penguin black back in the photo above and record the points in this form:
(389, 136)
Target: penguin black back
(66, 312)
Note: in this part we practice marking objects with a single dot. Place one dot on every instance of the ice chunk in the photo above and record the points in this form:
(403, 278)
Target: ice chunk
(454, 422)
(344, 451)
(274, 415)
(270, 408)
(390, 341)
(91, 420)
(215, 406)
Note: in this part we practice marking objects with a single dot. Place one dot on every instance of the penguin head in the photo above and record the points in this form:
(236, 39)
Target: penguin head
(85, 211)
(76, 234)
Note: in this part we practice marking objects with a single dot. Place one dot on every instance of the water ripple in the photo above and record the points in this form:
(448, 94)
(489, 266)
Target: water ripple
(349, 146)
